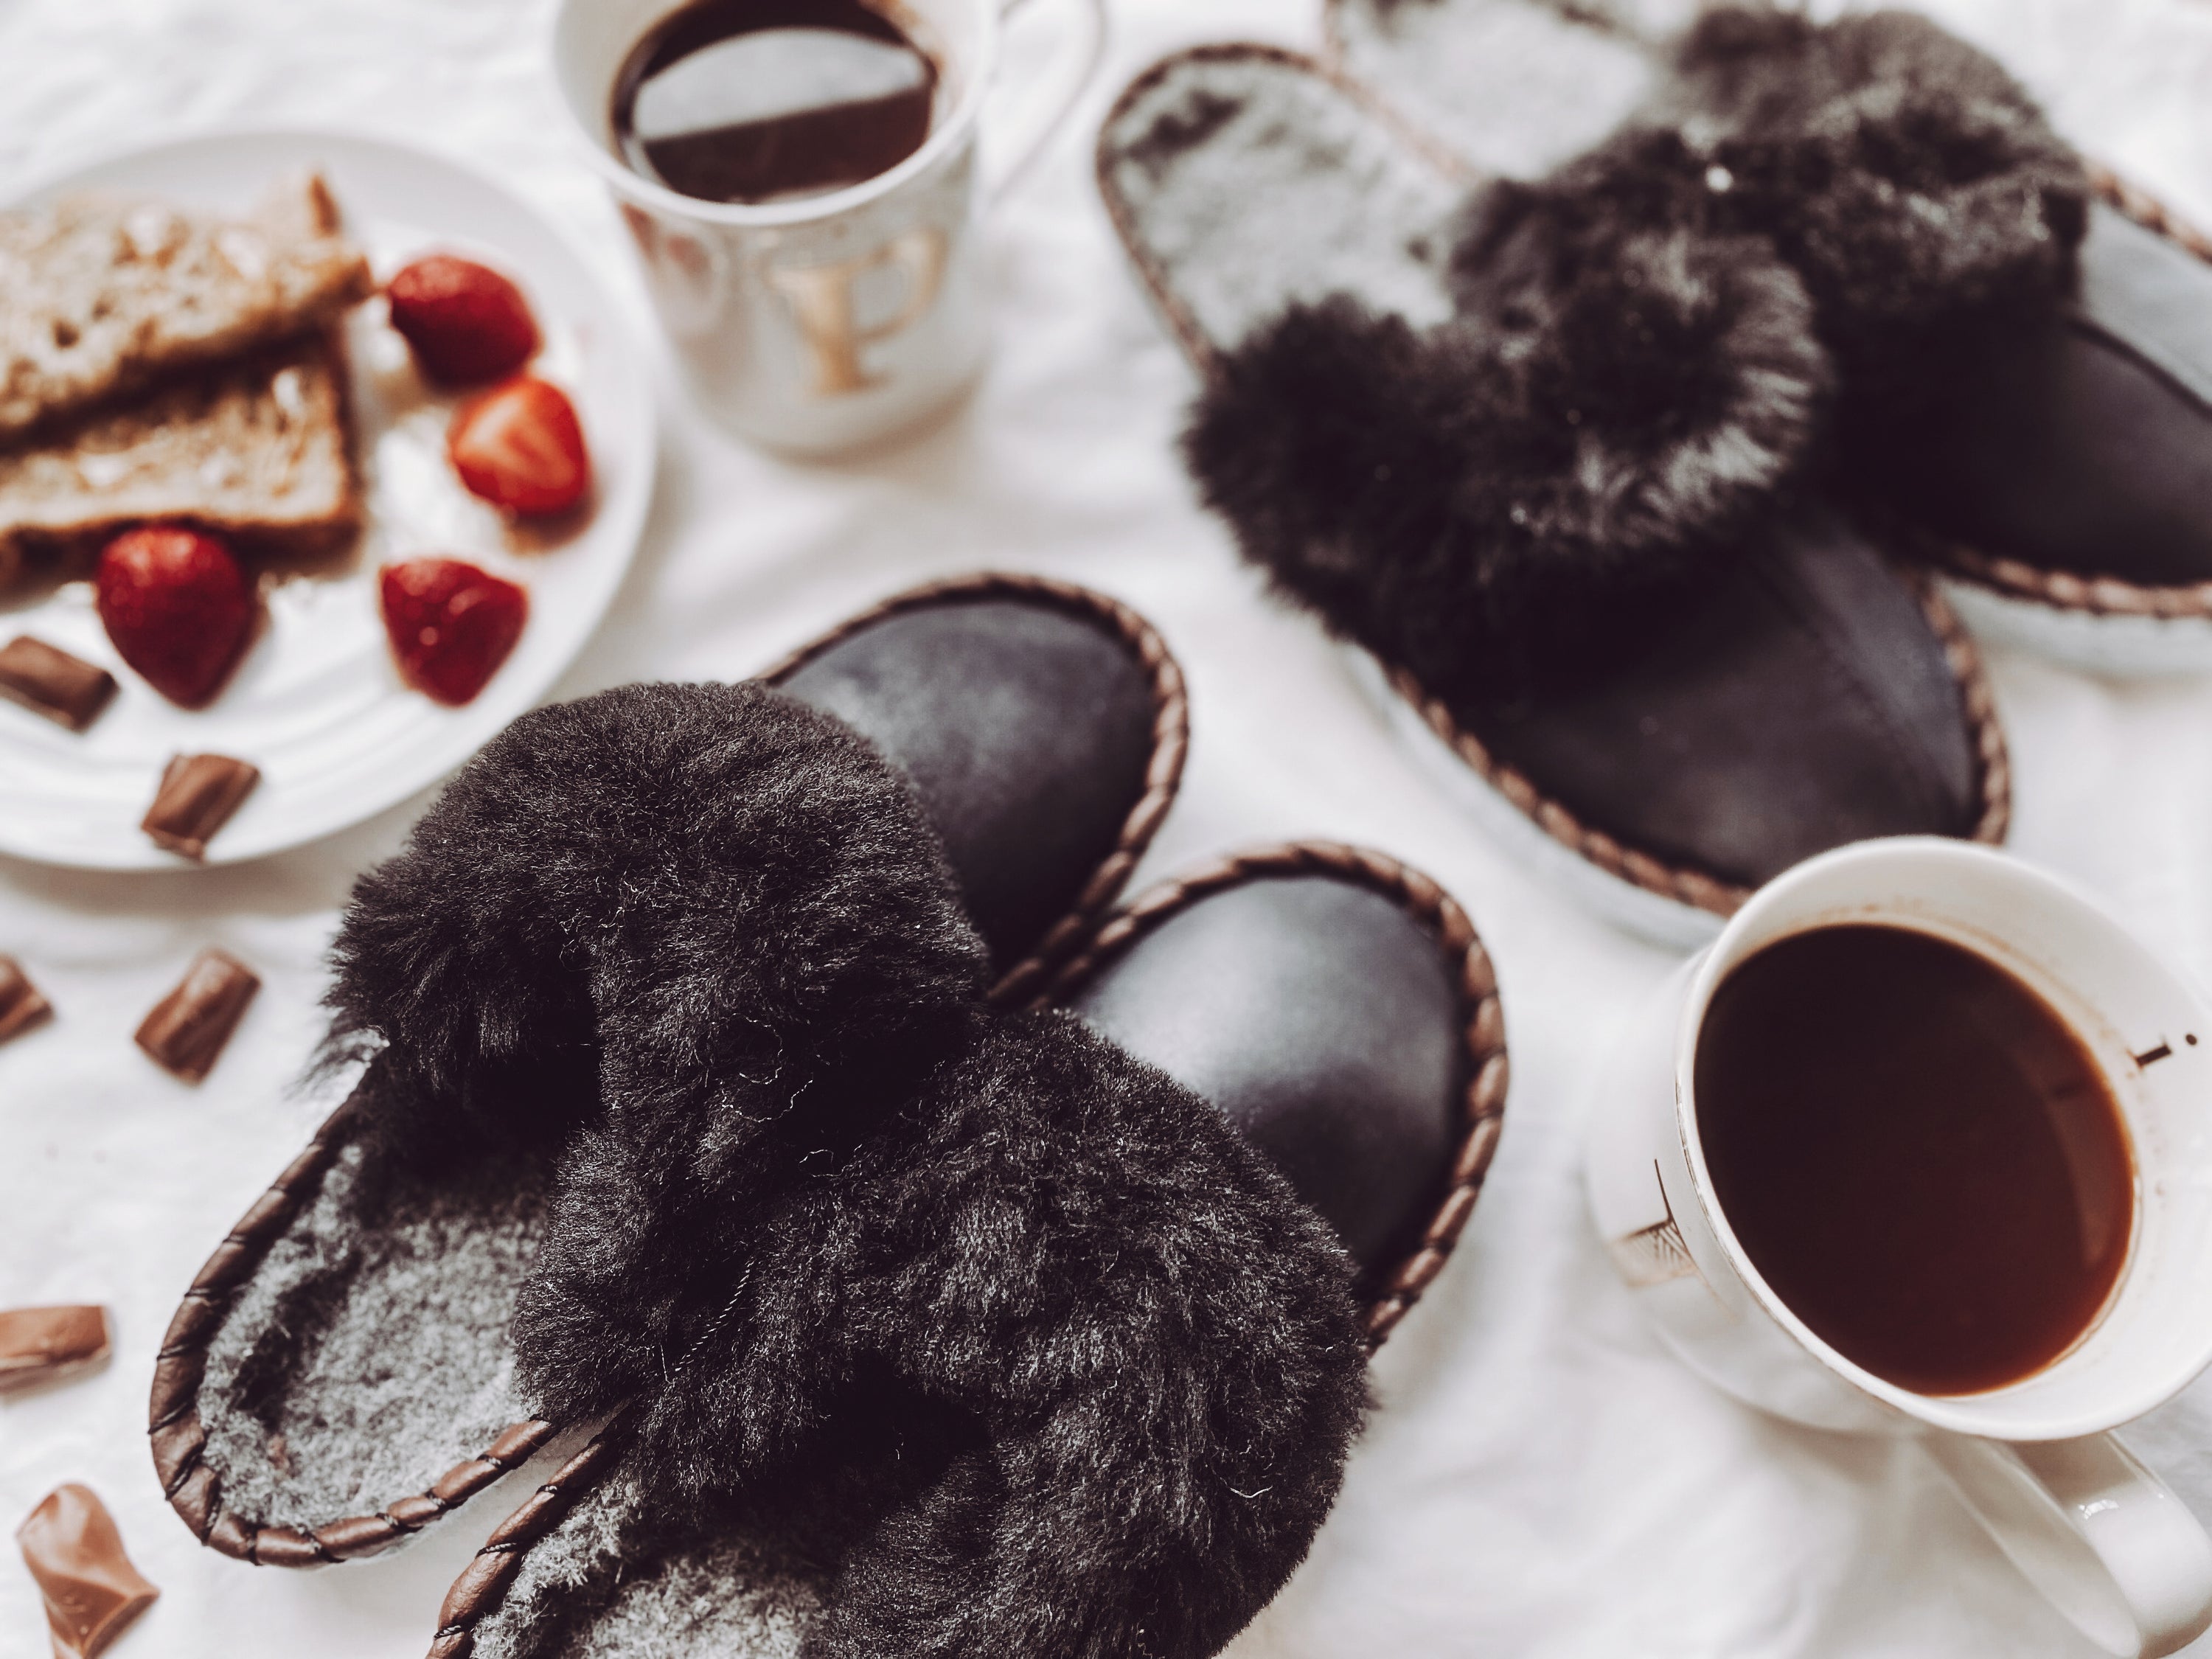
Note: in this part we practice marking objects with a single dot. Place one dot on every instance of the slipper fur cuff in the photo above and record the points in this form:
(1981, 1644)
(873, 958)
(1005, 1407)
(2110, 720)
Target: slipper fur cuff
(1905, 174)
(715, 877)
(1491, 503)
(1118, 1360)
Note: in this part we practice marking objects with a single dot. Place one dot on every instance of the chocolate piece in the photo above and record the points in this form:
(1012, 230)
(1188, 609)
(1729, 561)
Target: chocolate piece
(197, 795)
(21, 1005)
(92, 1590)
(188, 1028)
(40, 1345)
(46, 680)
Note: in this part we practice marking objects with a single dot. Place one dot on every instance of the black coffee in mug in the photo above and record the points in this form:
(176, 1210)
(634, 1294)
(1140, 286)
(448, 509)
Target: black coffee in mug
(1917, 1152)
(764, 100)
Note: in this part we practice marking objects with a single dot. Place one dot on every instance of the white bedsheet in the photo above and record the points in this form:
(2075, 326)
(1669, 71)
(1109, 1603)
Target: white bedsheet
(1541, 1480)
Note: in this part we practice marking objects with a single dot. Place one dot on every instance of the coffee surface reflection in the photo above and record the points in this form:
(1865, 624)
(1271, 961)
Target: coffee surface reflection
(1917, 1153)
(767, 100)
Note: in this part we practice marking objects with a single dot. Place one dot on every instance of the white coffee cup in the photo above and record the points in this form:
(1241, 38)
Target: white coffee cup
(819, 325)
(2035, 1460)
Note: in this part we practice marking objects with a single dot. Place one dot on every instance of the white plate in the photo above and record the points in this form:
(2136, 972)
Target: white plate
(317, 704)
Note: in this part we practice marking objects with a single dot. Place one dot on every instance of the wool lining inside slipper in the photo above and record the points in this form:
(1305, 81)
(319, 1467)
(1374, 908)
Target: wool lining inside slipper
(368, 1355)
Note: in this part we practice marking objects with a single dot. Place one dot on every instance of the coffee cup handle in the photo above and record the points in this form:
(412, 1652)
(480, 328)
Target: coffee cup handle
(1008, 158)
(2101, 1535)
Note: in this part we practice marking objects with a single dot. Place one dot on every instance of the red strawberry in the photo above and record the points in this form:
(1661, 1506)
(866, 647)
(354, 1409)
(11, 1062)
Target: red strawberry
(466, 324)
(178, 608)
(450, 625)
(519, 448)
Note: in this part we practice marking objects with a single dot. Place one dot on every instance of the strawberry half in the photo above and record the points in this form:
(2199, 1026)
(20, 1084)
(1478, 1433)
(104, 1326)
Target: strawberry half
(178, 608)
(519, 448)
(450, 625)
(466, 323)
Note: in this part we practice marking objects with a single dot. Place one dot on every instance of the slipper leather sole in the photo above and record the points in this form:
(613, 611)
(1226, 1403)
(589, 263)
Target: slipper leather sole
(1819, 696)
(299, 1298)
(1341, 1011)
(2062, 483)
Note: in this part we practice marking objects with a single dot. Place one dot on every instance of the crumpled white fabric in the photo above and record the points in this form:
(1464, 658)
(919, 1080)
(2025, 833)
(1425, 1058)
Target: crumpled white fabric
(1542, 1479)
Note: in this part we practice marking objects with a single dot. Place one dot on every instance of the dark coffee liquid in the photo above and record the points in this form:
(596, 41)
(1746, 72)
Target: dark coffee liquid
(1917, 1154)
(759, 101)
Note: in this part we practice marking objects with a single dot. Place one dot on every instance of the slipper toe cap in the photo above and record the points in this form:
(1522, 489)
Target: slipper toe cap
(1026, 729)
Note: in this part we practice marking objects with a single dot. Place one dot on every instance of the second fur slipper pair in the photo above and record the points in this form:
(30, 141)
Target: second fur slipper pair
(1652, 350)
(1055, 1356)
(906, 1322)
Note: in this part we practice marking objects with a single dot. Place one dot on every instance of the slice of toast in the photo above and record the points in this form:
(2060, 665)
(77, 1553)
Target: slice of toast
(258, 450)
(99, 294)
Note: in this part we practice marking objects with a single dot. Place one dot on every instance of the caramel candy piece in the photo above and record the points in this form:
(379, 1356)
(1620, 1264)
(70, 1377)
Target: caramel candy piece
(188, 1028)
(46, 680)
(21, 1005)
(39, 1344)
(92, 1590)
(197, 795)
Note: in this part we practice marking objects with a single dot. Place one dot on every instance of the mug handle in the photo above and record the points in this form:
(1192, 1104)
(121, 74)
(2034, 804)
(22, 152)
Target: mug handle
(1079, 64)
(2095, 1531)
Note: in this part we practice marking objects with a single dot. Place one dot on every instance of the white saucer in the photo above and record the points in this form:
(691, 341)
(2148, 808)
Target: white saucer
(317, 703)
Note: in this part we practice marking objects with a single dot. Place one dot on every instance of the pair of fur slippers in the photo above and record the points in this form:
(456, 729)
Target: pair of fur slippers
(917, 1313)
(1557, 457)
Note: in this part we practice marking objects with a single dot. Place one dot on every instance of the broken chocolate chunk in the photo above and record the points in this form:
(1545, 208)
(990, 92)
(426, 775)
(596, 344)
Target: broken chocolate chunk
(21, 1005)
(188, 1028)
(92, 1590)
(197, 795)
(42, 1345)
(46, 680)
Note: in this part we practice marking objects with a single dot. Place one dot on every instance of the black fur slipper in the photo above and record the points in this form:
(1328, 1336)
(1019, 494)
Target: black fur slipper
(1052, 1364)
(1546, 467)
(2024, 342)
(340, 1375)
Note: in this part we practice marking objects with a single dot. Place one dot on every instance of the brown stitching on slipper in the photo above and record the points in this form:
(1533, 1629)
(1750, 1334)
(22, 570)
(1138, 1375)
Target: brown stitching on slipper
(1482, 1027)
(1170, 733)
(2060, 590)
(178, 1439)
(1992, 757)
(483, 1585)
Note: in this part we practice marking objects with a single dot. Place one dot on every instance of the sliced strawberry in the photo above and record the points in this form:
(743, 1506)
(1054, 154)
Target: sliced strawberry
(178, 608)
(450, 625)
(466, 323)
(519, 448)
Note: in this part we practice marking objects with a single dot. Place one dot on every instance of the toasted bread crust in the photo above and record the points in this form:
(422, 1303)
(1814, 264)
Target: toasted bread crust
(258, 449)
(101, 294)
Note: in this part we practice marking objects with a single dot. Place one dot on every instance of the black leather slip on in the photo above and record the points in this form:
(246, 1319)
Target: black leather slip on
(1819, 695)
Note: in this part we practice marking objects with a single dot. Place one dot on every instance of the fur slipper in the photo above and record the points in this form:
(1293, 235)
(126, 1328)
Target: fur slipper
(1542, 453)
(2023, 342)
(1053, 1363)
(340, 1375)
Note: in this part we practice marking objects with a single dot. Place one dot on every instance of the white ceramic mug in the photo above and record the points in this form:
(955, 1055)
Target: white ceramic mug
(2035, 1460)
(820, 325)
